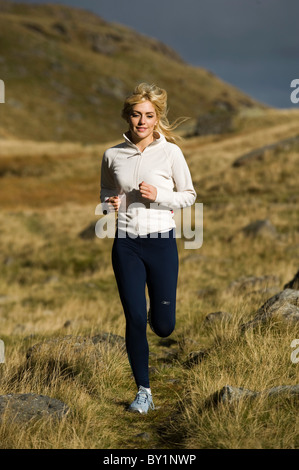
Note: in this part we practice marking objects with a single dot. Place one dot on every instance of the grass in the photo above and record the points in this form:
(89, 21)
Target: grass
(54, 284)
(258, 360)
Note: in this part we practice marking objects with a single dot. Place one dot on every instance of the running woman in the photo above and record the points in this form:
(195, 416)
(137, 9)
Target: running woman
(138, 178)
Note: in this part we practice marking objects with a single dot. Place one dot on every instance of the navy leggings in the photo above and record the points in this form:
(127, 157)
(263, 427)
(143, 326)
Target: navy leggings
(138, 262)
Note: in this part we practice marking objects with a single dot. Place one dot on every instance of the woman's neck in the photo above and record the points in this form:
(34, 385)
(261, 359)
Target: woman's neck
(143, 143)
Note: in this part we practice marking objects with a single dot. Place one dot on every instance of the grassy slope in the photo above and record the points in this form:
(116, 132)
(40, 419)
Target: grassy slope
(58, 87)
(50, 276)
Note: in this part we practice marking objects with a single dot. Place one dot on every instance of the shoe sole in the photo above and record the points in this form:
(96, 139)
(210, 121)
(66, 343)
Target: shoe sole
(137, 411)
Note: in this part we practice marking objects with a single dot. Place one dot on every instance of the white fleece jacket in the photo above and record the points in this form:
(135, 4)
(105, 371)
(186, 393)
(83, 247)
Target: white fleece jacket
(161, 164)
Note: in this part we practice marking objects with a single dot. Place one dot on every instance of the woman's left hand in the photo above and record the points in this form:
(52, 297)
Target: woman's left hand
(148, 191)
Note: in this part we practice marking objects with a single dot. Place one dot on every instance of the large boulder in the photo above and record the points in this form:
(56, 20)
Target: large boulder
(260, 228)
(229, 394)
(260, 153)
(24, 407)
(284, 305)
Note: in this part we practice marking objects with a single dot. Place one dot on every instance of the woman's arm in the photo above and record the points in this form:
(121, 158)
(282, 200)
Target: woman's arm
(109, 193)
(185, 194)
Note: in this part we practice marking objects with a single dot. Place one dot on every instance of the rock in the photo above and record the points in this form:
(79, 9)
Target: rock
(60, 28)
(260, 153)
(250, 282)
(187, 342)
(113, 87)
(229, 394)
(263, 228)
(173, 381)
(144, 435)
(286, 296)
(218, 121)
(109, 338)
(217, 316)
(195, 357)
(259, 228)
(164, 49)
(294, 283)
(284, 305)
(102, 44)
(282, 391)
(24, 407)
(38, 28)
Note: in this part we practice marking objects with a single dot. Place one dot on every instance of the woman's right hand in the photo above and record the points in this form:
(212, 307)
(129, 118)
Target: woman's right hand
(114, 201)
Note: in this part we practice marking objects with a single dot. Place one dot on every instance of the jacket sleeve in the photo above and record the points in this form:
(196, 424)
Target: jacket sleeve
(108, 187)
(185, 194)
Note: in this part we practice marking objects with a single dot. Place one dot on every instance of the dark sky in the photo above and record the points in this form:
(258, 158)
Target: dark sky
(253, 44)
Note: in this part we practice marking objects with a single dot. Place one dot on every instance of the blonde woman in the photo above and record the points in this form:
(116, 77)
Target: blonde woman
(137, 181)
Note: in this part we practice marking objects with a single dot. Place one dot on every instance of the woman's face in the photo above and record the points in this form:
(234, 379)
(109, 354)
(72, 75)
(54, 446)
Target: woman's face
(142, 120)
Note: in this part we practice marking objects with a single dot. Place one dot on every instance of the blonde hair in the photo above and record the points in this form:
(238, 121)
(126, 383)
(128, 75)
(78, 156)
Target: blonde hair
(158, 97)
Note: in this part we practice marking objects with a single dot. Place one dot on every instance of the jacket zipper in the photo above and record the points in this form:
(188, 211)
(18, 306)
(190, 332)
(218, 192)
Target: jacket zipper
(137, 169)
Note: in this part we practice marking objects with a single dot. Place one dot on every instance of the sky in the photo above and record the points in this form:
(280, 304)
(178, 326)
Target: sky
(252, 44)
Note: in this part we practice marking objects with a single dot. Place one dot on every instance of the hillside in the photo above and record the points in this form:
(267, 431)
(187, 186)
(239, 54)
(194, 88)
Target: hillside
(67, 71)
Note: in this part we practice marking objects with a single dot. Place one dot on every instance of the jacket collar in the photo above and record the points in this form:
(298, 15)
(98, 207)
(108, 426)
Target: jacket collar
(159, 138)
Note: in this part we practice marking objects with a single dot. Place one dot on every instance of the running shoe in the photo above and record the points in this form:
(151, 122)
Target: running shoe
(143, 401)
